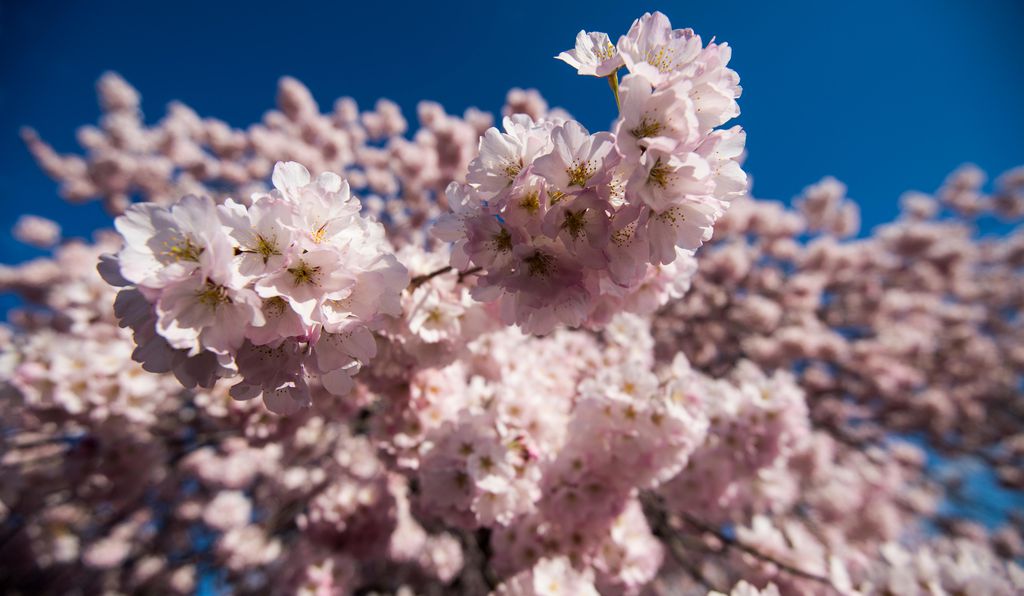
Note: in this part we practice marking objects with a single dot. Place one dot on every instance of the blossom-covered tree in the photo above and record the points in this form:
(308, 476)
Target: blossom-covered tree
(528, 360)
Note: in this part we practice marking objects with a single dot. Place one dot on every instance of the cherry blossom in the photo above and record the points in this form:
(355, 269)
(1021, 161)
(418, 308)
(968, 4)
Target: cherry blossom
(594, 55)
(261, 287)
(528, 360)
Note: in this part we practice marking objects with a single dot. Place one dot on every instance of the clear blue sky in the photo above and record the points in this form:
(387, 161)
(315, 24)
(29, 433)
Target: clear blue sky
(886, 96)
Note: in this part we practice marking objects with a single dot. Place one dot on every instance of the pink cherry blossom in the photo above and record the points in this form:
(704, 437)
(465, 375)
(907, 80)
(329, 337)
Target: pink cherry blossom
(594, 55)
(653, 49)
(532, 360)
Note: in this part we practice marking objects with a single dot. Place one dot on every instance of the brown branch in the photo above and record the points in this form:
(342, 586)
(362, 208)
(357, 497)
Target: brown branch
(464, 274)
(655, 510)
(750, 550)
(419, 280)
(677, 549)
(679, 554)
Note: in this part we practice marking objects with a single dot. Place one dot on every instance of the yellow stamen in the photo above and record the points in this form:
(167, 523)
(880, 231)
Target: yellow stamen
(318, 234)
(663, 59)
(672, 216)
(266, 248)
(660, 174)
(213, 295)
(575, 223)
(646, 128)
(502, 241)
(539, 264)
(274, 306)
(185, 251)
(512, 169)
(303, 273)
(580, 172)
(530, 203)
(624, 237)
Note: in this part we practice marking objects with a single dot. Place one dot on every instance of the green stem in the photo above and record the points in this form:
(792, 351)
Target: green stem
(613, 82)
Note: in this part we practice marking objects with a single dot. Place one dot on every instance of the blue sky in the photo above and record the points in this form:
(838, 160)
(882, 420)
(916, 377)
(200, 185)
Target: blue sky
(887, 96)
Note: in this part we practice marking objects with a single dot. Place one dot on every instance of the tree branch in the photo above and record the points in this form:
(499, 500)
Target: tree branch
(739, 545)
(419, 280)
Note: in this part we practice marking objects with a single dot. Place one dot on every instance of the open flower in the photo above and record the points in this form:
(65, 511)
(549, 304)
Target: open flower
(208, 310)
(263, 233)
(578, 160)
(582, 224)
(545, 287)
(504, 155)
(452, 226)
(665, 116)
(655, 50)
(306, 281)
(594, 55)
(664, 179)
(723, 149)
(527, 203)
(166, 245)
(489, 242)
(687, 224)
(714, 87)
(628, 249)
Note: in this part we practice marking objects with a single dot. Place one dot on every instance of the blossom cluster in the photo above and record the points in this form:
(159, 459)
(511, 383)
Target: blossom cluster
(700, 426)
(286, 287)
(529, 403)
(562, 221)
(757, 423)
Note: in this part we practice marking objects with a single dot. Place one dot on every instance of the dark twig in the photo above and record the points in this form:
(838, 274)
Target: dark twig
(464, 274)
(676, 547)
(739, 545)
(419, 280)
(655, 510)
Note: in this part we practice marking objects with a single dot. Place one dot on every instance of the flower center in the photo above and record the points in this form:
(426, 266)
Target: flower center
(671, 216)
(274, 306)
(502, 241)
(662, 58)
(607, 52)
(184, 250)
(266, 248)
(660, 175)
(512, 169)
(530, 203)
(539, 264)
(303, 273)
(318, 234)
(580, 172)
(575, 222)
(646, 128)
(213, 295)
